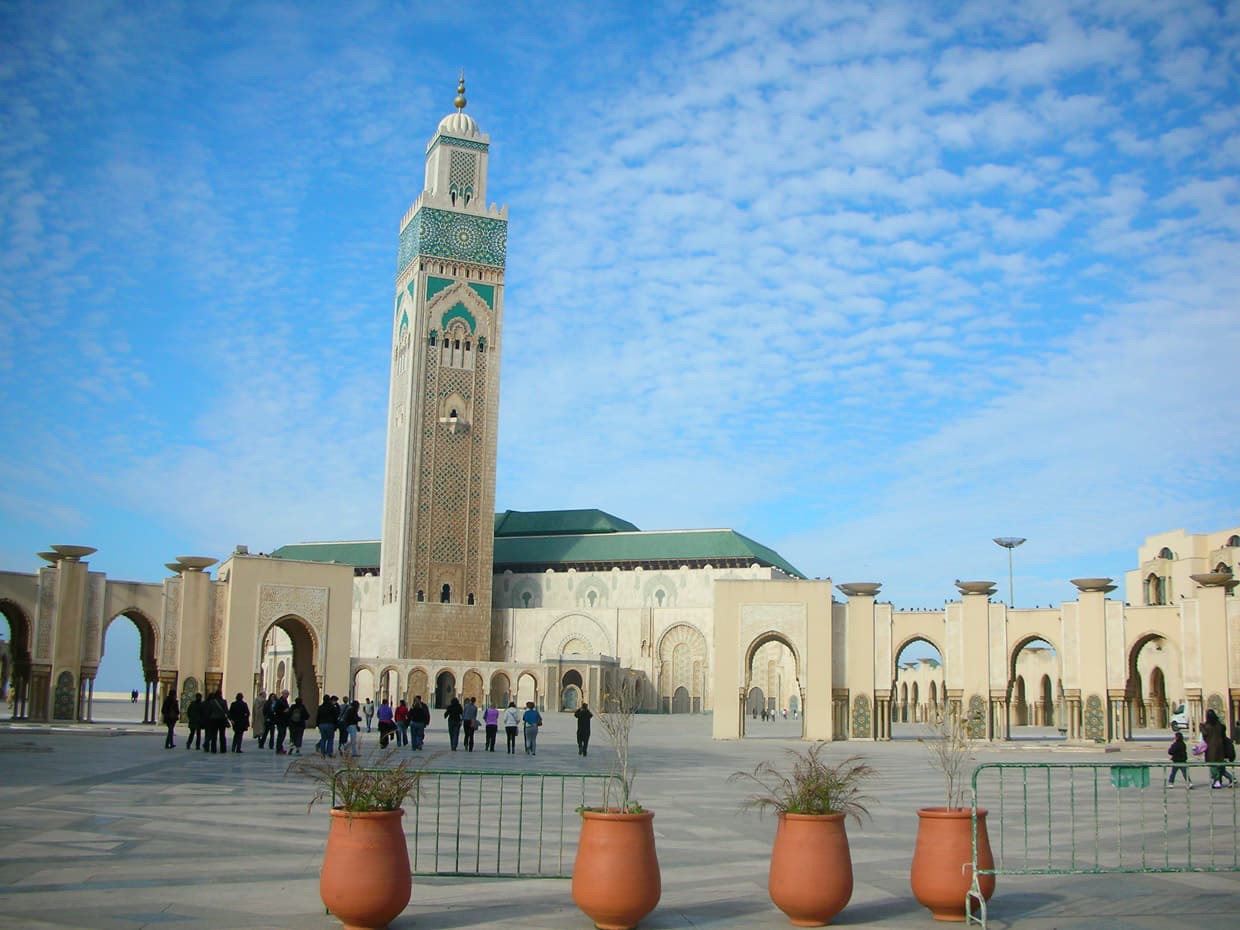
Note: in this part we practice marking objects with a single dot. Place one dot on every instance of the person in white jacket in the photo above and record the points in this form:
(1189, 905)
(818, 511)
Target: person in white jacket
(512, 723)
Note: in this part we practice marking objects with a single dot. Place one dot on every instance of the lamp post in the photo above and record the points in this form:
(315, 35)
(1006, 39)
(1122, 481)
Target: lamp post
(1009, 543)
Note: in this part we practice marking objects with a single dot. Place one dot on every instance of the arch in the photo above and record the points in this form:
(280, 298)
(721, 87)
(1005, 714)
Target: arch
(1046, 700)
(683, 663)
(756, 645)
(575, 646)
(527, 688)
(1020, 705)
(755, 702)
(419, 684)
(501, 689)
(388, 685)
(570, 698)
(445, 689)
(680, 701)
(1014, 654)
(471, 685)
(1147, 709)
(570, 625)
(302, 678)
(571, 677)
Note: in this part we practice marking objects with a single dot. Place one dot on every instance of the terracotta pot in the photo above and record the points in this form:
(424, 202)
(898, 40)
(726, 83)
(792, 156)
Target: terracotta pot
(811, 868)
(943, 860)
(365, 881)
(616, 874)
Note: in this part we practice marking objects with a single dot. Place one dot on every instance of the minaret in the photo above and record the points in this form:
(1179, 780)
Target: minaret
(439, 488)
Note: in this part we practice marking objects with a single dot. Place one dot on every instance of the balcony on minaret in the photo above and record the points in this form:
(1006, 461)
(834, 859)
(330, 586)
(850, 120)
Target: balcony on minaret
(454, 423)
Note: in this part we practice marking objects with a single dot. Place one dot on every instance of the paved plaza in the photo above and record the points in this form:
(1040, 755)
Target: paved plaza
(103, 828)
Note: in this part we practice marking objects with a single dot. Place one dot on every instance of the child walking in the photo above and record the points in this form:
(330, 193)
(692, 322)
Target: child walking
(1179, 754)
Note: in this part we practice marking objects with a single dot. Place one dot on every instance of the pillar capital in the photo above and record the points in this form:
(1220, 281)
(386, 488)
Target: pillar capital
(968, 588)
(1093, 585)
(860, 588)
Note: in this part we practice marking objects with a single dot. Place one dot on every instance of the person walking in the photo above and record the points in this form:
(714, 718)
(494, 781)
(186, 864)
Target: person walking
(193, 715)
(239, 714)
(353, 726)
(490, 717)
(342, 727)
(281, 717)
(469, 718)
(1179, 757)
(298, 717)
(532, 720)
(454, 713)
(216, 723)
(512, 720)
(401, 718)
(170, 713)
(327, 727)
(386, 723)
(269, 722)
(369, 712)
(419, 720)
(1215, 738)
(583, 715)
(258, 725)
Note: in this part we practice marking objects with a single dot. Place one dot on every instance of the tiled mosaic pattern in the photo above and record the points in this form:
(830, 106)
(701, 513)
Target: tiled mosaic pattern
(481, 240)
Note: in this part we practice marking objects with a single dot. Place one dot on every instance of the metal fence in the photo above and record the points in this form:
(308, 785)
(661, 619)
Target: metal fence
(1087, 818)
(500, 824)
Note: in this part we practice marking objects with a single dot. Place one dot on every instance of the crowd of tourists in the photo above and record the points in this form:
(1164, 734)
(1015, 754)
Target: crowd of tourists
(339, 721)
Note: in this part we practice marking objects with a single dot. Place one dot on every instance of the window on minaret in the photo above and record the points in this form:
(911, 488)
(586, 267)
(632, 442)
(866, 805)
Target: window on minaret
(445, 594)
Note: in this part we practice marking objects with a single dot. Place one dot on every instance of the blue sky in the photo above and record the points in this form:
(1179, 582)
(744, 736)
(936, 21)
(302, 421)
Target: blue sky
(870, 283)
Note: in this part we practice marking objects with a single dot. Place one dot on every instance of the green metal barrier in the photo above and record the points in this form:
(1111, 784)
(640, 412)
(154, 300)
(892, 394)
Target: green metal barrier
(1089, 818)
(499, 824)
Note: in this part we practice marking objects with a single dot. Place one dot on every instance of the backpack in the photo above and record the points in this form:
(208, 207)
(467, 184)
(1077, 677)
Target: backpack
(296, 714)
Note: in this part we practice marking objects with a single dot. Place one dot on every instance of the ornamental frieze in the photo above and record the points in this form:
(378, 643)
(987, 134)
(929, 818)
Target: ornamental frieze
(277, 601)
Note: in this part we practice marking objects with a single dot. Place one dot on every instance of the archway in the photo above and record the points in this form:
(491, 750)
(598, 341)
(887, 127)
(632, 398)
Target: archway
(419, 685)
(126, 667)
(445, 689)
(472, 685)
(773, 669)
(683, 664)
(1031, 711)
(363, 684)
(527, 689)
(917, 687)
(389, 687)
(19, 657)
(755, 703)
(1152, 685)
(301, 677)
(501, 690)
(680, 701)
(570, 690)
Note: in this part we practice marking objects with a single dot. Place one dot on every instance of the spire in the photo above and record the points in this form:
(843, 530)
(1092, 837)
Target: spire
(460, 101)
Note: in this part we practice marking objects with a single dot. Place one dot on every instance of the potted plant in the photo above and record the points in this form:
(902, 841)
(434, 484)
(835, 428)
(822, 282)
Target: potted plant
(616, 880)
(811, 878)
(365, 828)
(943, 857)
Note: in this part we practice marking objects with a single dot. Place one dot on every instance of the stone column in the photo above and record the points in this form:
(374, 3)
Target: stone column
(1097, 673)
(1216, 645)
(972, 651)
(860, 648)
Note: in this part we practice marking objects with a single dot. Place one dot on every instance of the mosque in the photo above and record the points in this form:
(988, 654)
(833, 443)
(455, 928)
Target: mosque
(560, 607)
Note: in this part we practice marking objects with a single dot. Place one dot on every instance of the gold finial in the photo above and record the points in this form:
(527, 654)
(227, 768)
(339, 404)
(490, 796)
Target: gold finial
(460, 92)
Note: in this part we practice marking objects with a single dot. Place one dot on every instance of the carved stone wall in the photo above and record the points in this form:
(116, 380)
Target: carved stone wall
(171, 622)
(277, 601)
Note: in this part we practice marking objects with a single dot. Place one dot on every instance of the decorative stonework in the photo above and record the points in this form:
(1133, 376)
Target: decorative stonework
(45, 617)
(453, 141)
(215, 636)
(451, 235)
(1094, 724)
(570, 627)
(861, 717)
(277, 601)
(1215, 703)
(92, 649)
(64, 701)
(171, 622)
(975, 723)
(188, 690)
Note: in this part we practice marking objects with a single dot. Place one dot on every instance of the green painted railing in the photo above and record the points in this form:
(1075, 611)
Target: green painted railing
(1090, 818)
(499, 824)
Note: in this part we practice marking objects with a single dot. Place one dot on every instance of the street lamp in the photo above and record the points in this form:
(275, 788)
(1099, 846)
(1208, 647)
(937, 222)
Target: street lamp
(1009, 543)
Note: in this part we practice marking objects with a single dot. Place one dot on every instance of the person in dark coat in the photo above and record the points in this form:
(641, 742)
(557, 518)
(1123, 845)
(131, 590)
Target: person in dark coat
(216, 723)
(239, 714)
(1213, 732)
(454, 714)
(419, 720)
(583, 715)
(298, 717)
(170, 713)
(193, 714)
(269, 722)
(1179, 756)
(281, 714)
(327, 727)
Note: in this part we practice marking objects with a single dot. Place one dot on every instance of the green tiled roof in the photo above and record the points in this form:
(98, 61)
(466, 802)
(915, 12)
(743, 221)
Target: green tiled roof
(558, 523)
(583, 539)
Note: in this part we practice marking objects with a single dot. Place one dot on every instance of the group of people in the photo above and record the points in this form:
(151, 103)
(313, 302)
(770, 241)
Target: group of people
(276, 719)
(1214, 746)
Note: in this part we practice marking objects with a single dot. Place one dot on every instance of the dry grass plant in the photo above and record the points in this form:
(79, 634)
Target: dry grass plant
(810, 785)
(615, 716)
(354, 787)
(951, 749)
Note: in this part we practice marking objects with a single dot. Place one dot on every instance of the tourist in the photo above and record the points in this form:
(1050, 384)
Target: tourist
(170, 714)
(490, 717)
(342, 727)
(583, 715)
(532, 720)
(269, 722)
(369, 712)
(327, 727)
(133, 696)
(1179, 754)
(281, 718)
(419, 720)
(386, 724)
(401, 718)
(298, 717)
(512, 720)
(193, 715)
(216, 722)
(454, 713)
(353, 727)
(469, 717)
(1215, 738)
(258, 723)
(239, 714)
